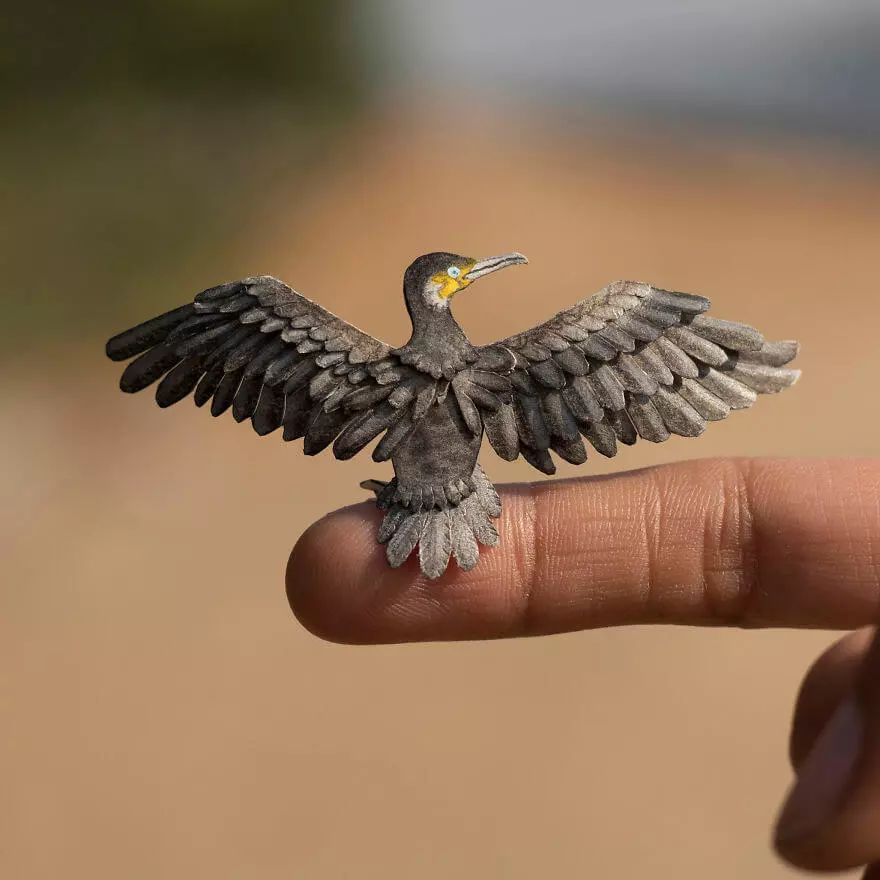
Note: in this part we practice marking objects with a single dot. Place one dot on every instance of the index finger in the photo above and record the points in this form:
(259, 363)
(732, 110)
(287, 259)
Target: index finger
(736, 542)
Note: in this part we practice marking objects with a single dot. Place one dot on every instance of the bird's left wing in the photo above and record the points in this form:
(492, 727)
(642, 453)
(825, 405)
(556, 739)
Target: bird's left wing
(631, 361)
(278, 359)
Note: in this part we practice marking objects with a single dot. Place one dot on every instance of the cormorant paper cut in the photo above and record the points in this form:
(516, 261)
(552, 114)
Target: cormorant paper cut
(632, 361)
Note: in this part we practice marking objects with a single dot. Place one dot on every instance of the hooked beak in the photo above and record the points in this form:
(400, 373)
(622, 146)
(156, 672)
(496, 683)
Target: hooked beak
(493, 264)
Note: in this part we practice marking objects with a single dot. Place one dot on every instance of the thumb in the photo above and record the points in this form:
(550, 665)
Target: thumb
(831, 819)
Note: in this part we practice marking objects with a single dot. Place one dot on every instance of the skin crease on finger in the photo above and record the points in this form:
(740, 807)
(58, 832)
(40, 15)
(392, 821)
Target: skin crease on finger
(742, 542)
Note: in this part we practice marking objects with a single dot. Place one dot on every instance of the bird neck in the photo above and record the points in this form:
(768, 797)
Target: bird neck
(437, 342)
(434, 329)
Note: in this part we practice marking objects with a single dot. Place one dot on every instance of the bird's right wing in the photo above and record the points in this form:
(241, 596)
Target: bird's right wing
(277, 359)
(631, 361)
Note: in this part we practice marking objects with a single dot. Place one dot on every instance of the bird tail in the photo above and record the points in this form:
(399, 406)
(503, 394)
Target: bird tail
(447, 529)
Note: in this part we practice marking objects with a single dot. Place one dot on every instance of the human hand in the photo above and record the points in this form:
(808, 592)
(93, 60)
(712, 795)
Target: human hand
(746, 543)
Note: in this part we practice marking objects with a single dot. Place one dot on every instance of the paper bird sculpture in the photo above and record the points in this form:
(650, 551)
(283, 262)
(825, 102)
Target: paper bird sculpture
(632, 361)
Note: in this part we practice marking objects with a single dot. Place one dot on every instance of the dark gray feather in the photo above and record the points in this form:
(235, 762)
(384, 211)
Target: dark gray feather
(654, 365)
(729, 334)
(618, 338)
(395, 516)
(500, 427)
(225, 393)
(395, 435)
(237, 303)
(147, 368)
(677, 361)
(138, 339)
(539, 458)
(268, 352)
(269, 412)
(364, 428)
(367, 397)
(469, 411)
(640, 328)
(246, 398)
(297, 414)
(572, 361)
(484, 399)
(633, 377)
(196, 326)
(323, 384)
(764, 379)
(623, 427)
(607, 388)
(179, 382)
(208, 385)
(733, 393)
(476, 511)
(424, 400)
(435, 544)
(696, 346)
(530, 422)
(464, 545)
(602, 437)
(242, 353)
(709, 406)
(596, 347)
(647, 421)
(582, 401)
(206, 342)
(282, 367)
(322, 430)
(682, 302)
(677, 414)
(772, 354)
(548, 374)
(399, 548)
(222, 347)
(558, 418)
(571, 450)
(300, 375)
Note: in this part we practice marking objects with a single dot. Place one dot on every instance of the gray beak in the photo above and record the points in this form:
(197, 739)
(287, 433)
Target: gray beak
(493, 264)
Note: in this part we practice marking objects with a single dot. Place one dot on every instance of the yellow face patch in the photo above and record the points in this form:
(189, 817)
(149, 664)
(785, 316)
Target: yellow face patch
(452, 279)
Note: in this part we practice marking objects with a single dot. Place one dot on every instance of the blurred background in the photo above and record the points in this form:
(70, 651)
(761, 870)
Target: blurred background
(163, 715)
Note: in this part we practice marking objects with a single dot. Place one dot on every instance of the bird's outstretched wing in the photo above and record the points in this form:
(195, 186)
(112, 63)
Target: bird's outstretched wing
(279, 360)
(632, 361)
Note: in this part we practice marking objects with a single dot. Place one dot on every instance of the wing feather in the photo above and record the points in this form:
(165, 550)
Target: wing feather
(632, 361)
(280, 360)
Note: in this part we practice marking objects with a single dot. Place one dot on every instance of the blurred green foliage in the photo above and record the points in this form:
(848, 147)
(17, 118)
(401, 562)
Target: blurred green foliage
(176, 46)
(145, 136)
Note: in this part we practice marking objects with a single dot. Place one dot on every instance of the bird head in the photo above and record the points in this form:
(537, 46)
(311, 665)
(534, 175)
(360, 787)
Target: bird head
(436, 278)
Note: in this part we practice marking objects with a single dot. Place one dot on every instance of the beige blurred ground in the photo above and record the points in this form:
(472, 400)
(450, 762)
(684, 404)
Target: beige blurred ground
(163, 716)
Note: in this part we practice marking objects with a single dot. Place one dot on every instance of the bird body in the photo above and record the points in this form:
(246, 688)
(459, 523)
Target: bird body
(631, 361)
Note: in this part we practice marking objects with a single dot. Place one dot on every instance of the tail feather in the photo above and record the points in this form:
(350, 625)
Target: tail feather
(477, 517)
(441, 533)
(464, 543)
(405, 539)
(392, 520)
(435, 545)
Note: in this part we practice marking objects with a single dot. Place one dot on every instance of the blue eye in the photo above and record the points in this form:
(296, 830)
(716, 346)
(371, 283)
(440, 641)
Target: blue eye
(453, 271)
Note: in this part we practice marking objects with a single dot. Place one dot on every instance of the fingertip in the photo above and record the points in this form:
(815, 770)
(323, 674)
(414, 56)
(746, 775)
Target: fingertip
(329, 571)
(745, 543)
(341, 588)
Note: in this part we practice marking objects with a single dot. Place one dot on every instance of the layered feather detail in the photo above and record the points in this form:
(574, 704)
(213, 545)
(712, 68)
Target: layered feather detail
(453, 526)
(632, 361)
(279, 361)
